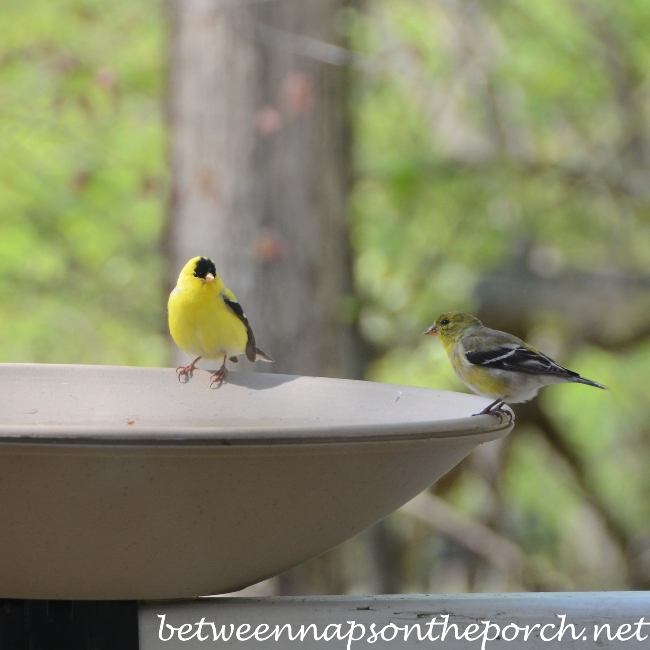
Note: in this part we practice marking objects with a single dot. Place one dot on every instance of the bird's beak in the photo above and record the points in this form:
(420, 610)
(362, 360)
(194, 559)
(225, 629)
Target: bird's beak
(209, 278)
(431, 331)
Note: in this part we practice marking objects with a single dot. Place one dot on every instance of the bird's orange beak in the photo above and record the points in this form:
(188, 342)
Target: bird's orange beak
(209, 278)
(431, 331)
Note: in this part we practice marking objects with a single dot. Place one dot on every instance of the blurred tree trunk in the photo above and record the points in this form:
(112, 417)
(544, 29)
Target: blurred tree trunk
(260, 171)
(260, 165)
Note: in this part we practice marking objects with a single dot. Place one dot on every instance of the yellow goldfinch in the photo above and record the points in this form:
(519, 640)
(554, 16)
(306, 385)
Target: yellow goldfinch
(495, 364)
(206, 319)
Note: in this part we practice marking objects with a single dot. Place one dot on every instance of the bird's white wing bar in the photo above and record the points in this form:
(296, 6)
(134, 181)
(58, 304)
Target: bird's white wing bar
(503, 356)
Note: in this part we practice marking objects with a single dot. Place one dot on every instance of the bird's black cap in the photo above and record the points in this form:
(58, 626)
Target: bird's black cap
(204, 265)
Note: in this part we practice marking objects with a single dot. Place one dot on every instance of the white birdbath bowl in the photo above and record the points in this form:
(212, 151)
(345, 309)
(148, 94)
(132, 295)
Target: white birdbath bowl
(122, 483)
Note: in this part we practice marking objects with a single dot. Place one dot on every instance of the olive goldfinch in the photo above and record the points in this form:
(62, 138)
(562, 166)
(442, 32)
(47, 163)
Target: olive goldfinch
(495, 364)
(205, 319)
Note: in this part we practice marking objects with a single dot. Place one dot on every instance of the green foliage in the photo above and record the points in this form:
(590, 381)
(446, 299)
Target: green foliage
(82, 181)
(496, 134)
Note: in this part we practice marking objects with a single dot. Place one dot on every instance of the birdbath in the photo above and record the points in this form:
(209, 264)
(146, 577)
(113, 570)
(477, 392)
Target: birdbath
(121, 483)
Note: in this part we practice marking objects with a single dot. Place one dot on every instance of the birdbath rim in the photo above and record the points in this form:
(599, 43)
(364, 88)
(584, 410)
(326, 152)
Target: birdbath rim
(132, 405)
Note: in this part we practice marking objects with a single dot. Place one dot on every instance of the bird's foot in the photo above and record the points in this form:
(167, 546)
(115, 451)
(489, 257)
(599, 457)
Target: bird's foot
(496, 408)
(186, 371)
(219, 377)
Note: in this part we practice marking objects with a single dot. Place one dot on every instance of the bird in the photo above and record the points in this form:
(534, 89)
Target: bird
(205, 319)
(496, 364)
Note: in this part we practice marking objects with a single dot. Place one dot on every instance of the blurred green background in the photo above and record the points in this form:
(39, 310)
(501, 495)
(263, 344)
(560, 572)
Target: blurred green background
(502, 166)
(82, 182)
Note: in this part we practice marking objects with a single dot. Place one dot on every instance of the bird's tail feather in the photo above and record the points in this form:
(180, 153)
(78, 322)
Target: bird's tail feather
(582, 380)
(262, 356)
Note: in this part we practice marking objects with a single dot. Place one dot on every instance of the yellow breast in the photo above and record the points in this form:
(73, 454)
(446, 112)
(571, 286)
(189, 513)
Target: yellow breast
(202, 324)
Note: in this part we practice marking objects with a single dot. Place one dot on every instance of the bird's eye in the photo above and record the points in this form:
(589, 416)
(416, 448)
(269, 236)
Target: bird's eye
(444, 321)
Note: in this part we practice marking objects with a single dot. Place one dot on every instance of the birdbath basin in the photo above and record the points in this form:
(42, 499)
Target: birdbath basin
(122, 483)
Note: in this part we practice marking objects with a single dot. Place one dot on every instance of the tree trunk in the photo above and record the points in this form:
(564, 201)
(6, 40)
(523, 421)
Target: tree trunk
(260, 166)
(260, 171)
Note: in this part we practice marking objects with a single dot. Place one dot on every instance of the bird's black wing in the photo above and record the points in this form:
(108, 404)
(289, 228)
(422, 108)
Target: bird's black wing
(251, 348)
(517, 359)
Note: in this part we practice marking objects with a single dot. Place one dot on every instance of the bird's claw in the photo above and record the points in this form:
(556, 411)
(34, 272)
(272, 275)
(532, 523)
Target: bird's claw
(218, 378)
(184, 371)
(496, 408)
(498, 412)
